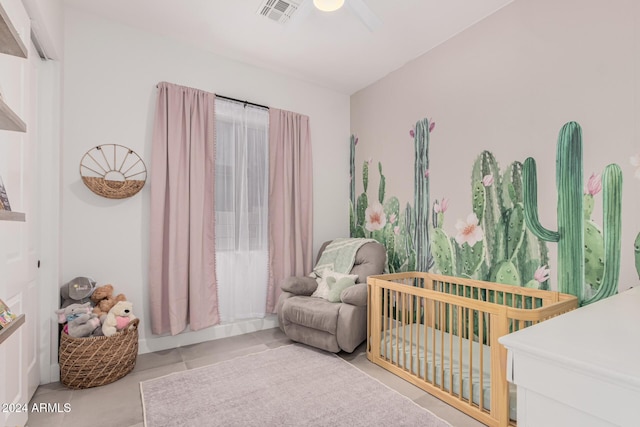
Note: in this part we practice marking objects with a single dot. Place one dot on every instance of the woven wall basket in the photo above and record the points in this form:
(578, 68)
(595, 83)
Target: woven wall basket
(113, 171)
(95, 361)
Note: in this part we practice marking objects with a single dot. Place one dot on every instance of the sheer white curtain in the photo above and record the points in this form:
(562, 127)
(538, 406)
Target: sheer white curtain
(241, 209)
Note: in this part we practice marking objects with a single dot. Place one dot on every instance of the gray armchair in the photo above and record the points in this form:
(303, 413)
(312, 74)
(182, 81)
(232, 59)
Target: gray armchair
(327, 325)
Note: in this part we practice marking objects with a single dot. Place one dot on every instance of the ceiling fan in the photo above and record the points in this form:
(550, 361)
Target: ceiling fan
(293, 12)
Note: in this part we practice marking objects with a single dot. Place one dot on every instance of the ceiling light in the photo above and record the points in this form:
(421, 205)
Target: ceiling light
(328, 5)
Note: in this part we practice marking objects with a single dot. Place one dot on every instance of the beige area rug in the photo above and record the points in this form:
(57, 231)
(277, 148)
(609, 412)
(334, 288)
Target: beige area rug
(292, 385)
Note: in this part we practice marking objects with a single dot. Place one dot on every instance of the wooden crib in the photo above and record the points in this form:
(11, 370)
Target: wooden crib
(441, 334)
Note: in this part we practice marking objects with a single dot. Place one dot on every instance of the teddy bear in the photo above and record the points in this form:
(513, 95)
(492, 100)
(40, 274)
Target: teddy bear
(118, 318)
(76, 291)
(80, 321)
(104, 300)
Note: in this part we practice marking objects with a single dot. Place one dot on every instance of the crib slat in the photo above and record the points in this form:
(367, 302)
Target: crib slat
(385, 319)
(481, 366)
(403, 315)
(450, 320)
(397, 304)
(411, 305)
(460, 357)
(426, 342)
(471, 332)
(442, 313)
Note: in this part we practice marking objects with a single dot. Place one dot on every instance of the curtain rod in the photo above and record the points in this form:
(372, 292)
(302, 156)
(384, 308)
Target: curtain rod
(241, 101)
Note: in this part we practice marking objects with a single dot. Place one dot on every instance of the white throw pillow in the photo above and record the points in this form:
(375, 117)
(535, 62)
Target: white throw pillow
(322, 291)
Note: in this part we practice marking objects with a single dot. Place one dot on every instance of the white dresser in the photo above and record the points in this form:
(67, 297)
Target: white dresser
(580, 369)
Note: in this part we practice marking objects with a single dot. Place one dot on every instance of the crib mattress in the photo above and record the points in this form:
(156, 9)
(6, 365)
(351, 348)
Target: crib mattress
(414, 356)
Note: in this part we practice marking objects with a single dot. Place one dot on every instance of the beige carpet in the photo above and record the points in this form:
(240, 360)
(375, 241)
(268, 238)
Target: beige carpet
(292, 385)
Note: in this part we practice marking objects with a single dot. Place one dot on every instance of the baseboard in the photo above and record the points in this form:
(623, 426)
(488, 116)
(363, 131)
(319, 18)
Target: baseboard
(209, 334)
(55, 373)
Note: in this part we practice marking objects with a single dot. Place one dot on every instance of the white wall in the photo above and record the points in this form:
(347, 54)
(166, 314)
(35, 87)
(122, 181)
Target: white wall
(109, 95)
(46, 22)
(507, 85)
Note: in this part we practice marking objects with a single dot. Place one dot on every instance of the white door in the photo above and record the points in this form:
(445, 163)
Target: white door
(19, 365)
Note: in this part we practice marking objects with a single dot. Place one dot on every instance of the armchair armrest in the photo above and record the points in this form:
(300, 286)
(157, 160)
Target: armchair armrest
(355, 295)
(302, 285)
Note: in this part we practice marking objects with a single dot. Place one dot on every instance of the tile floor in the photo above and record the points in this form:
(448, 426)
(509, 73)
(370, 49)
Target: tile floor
(119, 403)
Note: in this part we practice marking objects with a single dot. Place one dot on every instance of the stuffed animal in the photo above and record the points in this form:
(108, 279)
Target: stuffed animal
(77, 291)
(104, 300)
(80, 321)
(118, 318)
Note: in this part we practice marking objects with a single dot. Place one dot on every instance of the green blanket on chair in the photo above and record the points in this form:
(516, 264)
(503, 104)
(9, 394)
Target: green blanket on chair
(340, 255)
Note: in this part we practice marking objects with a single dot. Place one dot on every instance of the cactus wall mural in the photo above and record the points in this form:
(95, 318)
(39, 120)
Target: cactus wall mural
(404, 232)
(492, 243)
(635, 162)
(501, 238)
(577, 236)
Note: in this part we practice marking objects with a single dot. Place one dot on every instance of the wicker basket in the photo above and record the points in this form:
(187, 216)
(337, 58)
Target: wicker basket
(95, 361)
(113, 189)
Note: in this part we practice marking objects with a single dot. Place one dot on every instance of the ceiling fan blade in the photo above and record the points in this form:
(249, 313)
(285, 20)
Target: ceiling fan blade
(366, 15)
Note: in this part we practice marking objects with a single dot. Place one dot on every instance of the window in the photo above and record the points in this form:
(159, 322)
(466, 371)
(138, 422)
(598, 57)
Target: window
(241, 209)
(242, 179)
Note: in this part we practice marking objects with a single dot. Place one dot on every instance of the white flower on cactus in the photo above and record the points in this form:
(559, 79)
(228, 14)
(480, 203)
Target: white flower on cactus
(392, 218)
(469, 231)
(376, 218)
(635, 162)
(594, 185)
(541, 274)
(396, 230)
(487, 180)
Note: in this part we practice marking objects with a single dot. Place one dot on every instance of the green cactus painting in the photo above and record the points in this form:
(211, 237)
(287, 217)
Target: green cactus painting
(635, 163)
(405, 233)
(636, 251)
(572, 235)
(492, 243)
(421, 204)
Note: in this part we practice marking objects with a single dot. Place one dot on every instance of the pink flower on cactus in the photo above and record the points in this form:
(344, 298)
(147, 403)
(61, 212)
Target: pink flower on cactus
(541, 274)
(396, 230)
(370, 161)
(635, 162)
(355, 142)
(469, 231)
(376, 218)
(594, 185)
(431, 125)
(426, 173)
(441, 206)
(487, 180)
(392, 218)
(412, 132)
(444, 205)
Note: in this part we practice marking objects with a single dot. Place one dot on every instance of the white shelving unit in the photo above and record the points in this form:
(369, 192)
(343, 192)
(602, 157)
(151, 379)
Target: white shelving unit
(10, 44)
(11, 328)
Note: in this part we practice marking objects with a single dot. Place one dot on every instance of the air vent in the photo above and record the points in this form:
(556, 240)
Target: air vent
(278, 10)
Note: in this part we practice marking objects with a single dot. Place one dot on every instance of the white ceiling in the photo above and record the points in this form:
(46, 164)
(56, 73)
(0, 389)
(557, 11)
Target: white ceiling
(334, 50)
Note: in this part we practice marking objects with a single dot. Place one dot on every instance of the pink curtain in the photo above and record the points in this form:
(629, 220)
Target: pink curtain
(182, 274)
(290, 200)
